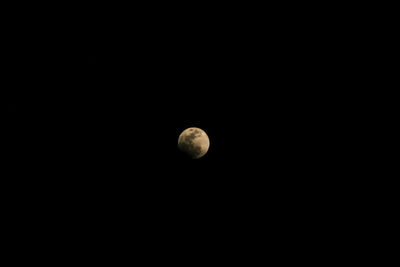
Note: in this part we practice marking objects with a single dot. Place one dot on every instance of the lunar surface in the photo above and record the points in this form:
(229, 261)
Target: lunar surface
(194, 142)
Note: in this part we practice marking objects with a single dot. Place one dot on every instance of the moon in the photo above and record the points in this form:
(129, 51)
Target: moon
(194, 142)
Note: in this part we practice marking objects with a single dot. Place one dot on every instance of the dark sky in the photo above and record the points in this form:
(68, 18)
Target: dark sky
(95, 105)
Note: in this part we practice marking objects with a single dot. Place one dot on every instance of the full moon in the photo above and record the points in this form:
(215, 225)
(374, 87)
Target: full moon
(194, 142)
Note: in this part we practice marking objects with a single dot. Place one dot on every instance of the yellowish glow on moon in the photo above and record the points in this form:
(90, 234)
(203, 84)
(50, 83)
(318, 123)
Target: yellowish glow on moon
(194, 142)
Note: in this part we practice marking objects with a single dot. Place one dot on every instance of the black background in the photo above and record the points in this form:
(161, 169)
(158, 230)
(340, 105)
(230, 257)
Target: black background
(95, 103)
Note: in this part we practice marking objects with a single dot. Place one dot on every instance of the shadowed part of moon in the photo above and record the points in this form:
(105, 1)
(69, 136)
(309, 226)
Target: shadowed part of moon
(187, 145)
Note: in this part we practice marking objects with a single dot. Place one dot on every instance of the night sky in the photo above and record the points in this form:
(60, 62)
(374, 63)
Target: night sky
(94, 109)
